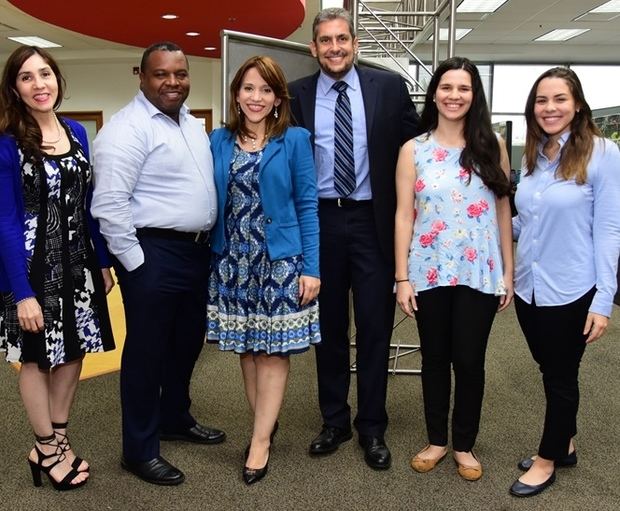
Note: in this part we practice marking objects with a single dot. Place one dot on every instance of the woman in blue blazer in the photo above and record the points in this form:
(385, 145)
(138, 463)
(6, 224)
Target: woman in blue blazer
(265, 278)
(54, 270)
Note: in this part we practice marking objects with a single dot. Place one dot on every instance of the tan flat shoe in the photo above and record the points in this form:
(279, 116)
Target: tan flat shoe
(470, 472)
(424, 465)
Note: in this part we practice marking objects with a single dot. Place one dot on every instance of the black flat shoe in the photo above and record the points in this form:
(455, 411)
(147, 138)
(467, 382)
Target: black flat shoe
(253, 475)
(329, 439)
(155, 471)
(197, 434)
(519, 489)
(570, 460)
(376, 452)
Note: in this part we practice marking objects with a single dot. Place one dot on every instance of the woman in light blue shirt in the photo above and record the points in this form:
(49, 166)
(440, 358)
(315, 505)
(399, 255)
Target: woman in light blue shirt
(568, 232)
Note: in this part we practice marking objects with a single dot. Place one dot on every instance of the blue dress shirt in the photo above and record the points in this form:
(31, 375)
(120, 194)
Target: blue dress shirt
(568, 234)
(324, 136)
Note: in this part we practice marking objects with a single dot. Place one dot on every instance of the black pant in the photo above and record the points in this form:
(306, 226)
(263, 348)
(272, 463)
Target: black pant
(351, 260)
(165, 304)
(556, 340)
(454, 325)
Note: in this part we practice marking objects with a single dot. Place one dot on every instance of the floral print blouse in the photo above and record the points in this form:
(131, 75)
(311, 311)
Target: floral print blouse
(455, 234)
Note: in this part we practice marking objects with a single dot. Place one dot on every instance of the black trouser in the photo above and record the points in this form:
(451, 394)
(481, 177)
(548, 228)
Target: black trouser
(352, 260)
(556, 340)
(165, 315)
(454, 325)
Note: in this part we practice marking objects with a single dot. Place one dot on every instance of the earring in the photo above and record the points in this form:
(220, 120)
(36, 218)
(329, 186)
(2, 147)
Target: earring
(275, 112)
(238, 109)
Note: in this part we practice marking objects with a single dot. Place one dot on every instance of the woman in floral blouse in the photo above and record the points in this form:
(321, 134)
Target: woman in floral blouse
(454, 265)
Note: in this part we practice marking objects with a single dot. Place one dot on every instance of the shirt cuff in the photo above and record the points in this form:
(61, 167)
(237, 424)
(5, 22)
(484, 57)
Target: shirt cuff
(133, 258)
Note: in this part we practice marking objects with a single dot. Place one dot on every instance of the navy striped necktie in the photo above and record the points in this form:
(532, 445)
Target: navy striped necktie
(344, 161)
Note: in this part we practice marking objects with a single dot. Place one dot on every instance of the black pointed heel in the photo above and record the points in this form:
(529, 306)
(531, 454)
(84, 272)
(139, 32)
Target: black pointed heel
(66, 446)
(36, 467)
(253, 475)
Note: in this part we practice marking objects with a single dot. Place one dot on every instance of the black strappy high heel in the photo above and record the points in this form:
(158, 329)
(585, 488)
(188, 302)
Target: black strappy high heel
(66, 446)
(36, 467)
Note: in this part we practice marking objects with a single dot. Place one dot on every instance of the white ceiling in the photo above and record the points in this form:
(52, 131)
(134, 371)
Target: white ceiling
(504, 36)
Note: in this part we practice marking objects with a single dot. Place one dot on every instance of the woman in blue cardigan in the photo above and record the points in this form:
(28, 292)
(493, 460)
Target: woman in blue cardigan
(265, 279)
(53, 307)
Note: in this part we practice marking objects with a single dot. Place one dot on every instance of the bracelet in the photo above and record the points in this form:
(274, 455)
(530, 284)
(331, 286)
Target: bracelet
(402, 280)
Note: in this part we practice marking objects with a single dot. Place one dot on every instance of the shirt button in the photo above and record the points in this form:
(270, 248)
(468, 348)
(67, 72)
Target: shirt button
(268, 220)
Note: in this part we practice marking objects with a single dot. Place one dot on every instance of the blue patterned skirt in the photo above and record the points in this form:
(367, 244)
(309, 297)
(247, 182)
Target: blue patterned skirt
(253, 304)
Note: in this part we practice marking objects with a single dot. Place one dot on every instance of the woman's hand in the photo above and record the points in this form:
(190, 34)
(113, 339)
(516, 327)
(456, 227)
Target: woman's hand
(504, 300)
(596, 324)
(308, 289)
(405, 297)
(30, 315)
(108, 280)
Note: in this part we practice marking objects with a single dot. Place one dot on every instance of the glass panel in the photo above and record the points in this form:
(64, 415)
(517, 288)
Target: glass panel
(512, 84)
(600, 85)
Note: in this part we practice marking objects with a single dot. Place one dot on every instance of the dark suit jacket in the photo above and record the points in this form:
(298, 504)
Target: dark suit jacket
(391, 120)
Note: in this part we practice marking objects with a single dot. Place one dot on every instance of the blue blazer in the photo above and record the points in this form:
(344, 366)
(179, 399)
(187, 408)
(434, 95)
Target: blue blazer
(13, 256)
(288, 191)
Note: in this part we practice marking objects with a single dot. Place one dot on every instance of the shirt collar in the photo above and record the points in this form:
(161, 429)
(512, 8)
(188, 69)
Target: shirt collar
(153, 110)
(562, 140)
(326, 82)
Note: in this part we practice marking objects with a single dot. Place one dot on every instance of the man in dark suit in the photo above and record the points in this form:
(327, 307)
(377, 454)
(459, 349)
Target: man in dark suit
(356, 228)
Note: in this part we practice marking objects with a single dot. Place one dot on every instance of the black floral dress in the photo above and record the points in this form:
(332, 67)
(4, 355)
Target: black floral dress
(64, 272)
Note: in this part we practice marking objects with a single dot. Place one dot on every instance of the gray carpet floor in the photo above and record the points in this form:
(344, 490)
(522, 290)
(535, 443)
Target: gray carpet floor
(510, 429)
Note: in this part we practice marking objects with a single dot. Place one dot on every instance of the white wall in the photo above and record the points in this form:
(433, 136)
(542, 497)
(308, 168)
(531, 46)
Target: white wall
(110, 86)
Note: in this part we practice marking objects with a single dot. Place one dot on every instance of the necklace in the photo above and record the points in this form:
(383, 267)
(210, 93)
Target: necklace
(253, 141)
(52, 142)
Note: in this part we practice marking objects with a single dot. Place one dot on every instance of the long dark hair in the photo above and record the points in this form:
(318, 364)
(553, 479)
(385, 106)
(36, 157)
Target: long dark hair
(481, 154)
(272, 73)
(14, 116)
(578, 149)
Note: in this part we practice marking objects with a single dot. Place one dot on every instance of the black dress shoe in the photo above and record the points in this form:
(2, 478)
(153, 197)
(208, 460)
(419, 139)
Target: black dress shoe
(155, 471)
(253, 475)
(570, 460)
(198, 434)
(329, 439)
(376, 453)
(519, 489)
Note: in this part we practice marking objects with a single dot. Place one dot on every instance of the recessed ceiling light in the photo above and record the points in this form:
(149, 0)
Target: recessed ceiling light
(611, 6)
(33, 40)
(192, 34)
(460, 33)
(561, 34)
(480, 5)
(170, 16)
(210, 48)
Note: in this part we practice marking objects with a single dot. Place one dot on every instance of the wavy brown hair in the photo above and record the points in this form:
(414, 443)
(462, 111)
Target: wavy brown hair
(15, 118)
(577, 151)
(272, 73)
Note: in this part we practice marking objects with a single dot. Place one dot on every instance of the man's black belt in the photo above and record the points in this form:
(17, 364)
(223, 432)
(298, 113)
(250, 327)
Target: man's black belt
(200, 237)
(343, 202)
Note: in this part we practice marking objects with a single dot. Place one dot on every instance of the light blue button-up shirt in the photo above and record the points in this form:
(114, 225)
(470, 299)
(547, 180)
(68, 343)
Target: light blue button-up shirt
(324, 136)
(150, 171)
(568, 234)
